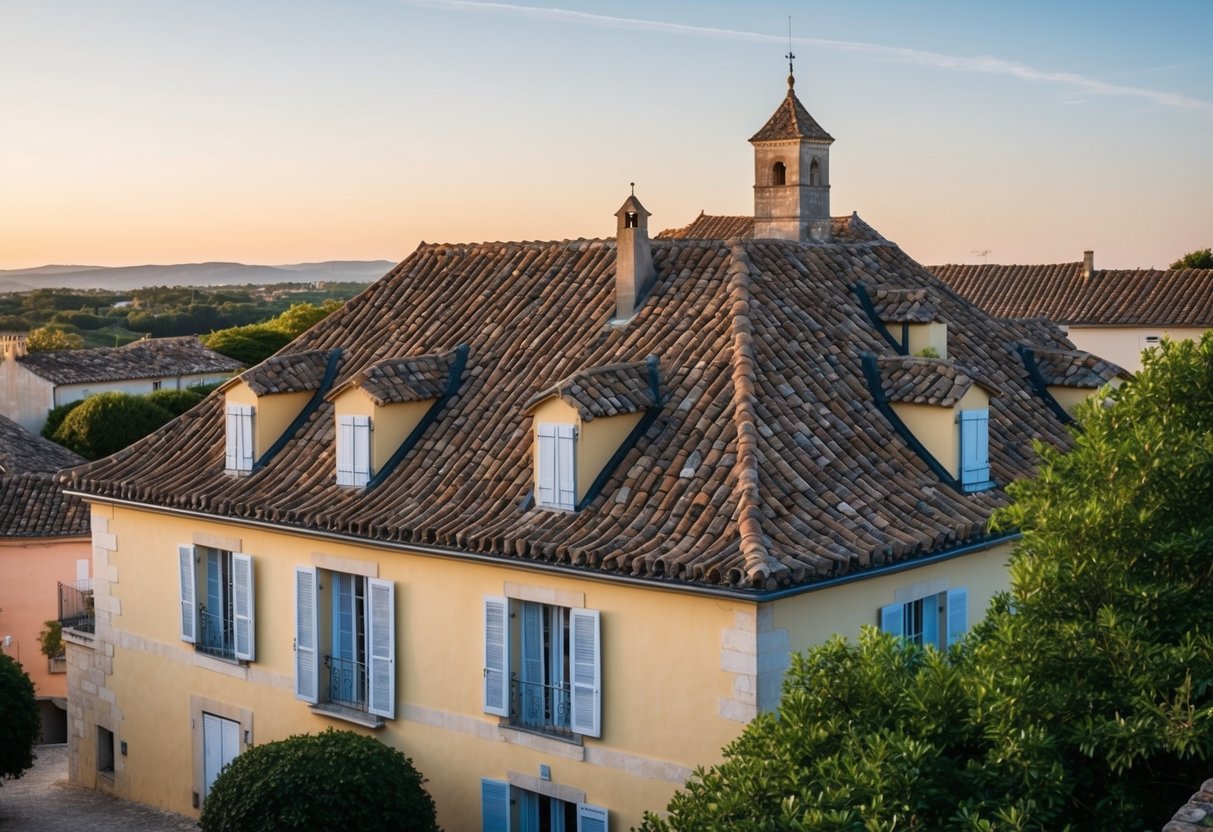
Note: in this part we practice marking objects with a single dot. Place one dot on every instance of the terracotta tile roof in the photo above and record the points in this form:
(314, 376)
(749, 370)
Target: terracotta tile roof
(1111, 297)
(34, 505)
(1197, 814)
(604, 391)
(791, 121)
(1075, 368)
(914, 380)
(903, 305)
(716, 227)
(149, 358)
(298, 372)
(409, 379)
(22, 452)
(769, 463)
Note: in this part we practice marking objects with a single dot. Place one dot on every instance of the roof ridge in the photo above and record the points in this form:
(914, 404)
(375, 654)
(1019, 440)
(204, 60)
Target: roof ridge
(759, 565)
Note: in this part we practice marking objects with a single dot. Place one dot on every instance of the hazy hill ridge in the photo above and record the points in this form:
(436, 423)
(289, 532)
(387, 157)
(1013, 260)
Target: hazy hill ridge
(188, 274)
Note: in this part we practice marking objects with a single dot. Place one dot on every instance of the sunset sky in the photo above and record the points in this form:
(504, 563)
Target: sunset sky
(168, 131)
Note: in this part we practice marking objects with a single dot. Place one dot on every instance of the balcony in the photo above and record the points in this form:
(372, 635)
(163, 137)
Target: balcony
(347, 682)
(541, 708)
(215, 635)
(76, 611)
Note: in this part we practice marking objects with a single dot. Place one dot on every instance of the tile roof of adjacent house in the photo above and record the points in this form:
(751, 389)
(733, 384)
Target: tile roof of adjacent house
(1066, 293)
(769, 464)
(409, 379)
(22, 452)
(605, 391)
(718, 227)
(149, 358)
(35, 505)
(935, 381)
(1074, 368)
(791, 121)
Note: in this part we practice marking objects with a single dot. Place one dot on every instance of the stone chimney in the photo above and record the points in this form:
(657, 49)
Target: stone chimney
(634, 272)
(13, 345)
(1088, 264)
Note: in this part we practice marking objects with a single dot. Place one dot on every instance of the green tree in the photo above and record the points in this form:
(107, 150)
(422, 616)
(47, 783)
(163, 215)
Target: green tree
(1084, 701)
(108, 422)
(336, 780)
(55, 417)
(19, 720)
(47, 338)
(247, 344)
(1200, 259)
(176, 402)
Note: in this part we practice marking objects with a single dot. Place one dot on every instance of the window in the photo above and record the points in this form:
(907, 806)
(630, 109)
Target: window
(238, 454)
(220, 745)
(975, 450)
(217, 601)
(779, 174)
(939, 619)
(345, 641)
(156, 385)
(815, 173)
(105, 751)
(506, 808)
(542, 666)
(555, 468)
(353, 450)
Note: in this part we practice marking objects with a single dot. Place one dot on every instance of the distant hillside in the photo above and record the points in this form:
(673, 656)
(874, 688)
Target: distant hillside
(188, 274)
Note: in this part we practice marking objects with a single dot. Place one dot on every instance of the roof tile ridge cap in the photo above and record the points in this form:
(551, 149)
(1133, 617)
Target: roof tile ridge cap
(759, 564)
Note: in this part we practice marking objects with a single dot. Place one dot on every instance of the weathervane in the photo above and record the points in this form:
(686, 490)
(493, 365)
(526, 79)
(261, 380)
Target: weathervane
(791, 56)
(633, 184)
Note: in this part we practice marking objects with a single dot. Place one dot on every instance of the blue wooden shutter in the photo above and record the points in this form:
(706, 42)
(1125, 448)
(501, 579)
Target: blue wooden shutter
(545, 464)
(243, 602)
(496, 656)
(494, 806)
(586, 672)
(533, 677)
(974, 447)
(891, 619)
(566, 468)
(930, 620)
(381, 636)
(188, 593)
(591, 818)
(958, 614)
(307, 669)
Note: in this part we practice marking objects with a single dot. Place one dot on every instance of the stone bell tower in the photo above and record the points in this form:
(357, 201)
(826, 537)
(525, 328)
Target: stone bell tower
(792, 174)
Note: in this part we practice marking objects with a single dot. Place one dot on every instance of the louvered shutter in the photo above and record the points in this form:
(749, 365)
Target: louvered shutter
(345, 450)
(382, 638)
(958, 614)
(494, 806)
(239, 446)
(586, 671)
(362, 450)
(188, 592)
(212, 751)
(545, 465)
(974, 447)
(496, 656)
(591, 818)
(243, 600)
(891, 619)
(566, 474)
(307, 669)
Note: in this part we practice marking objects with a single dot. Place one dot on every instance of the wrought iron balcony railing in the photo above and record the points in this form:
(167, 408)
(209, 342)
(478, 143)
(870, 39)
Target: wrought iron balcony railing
(215, 635)
(347, 682)
(539, 707)
(76, 609)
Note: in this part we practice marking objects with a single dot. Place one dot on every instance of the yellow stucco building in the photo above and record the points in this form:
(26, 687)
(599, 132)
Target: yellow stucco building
(551, 517)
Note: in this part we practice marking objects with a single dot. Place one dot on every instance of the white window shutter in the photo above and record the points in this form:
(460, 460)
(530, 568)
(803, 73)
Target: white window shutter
(545, 465)
(494, 806)
(381, 635)
(891, 619)
(566, 474)
(188, 592)
(239, 444)
(362, 450)
(345, 450)
(212, 750)
(307, 669)
(958, 614)
(586, 660)
(496, 655)
(974, 447)
(591, 818)
(243, 600)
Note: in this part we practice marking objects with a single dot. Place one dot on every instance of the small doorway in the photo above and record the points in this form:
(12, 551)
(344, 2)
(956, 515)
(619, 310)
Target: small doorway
(220, 745)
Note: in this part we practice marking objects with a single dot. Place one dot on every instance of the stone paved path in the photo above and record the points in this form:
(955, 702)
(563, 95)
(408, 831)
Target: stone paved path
(43, 801)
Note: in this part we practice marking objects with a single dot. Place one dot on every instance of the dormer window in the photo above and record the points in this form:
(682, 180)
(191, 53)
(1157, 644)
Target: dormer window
(353, 450)
(974, 449)
(238, 456)
(556, 465)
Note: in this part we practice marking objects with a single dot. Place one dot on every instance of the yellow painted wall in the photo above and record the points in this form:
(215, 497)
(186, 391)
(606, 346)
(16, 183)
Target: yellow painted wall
(662, 670)
(936, 427)
(1123, 345)
(597, 439)
(933, 334)
(272, 414)
(390, 424)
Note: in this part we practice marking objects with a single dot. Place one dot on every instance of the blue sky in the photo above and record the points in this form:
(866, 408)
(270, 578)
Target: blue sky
(274, 132)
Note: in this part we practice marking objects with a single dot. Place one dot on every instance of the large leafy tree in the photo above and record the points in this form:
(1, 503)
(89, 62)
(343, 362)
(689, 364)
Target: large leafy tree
(19, 721)
(1084, 701)
(1200, 259)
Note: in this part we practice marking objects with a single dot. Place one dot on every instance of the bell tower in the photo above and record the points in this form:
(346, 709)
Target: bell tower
(792, 173)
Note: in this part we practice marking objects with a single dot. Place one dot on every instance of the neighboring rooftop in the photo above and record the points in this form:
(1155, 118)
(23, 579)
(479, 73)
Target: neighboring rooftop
(1077, 293)
(717, 227)
(22, 452)
(149, 358)
(35, 505)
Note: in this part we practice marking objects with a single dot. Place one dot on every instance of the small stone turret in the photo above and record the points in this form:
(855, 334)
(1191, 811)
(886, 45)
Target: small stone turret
(634, 271)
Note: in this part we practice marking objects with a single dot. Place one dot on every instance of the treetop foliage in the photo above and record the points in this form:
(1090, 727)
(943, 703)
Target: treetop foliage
(1199, 259)
(106, 423)
(19, 720)
(49, 338)
(254, 343)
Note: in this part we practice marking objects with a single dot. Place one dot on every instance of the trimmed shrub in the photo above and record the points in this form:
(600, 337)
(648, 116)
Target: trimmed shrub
(336, 780)
(248, 344)
(55, 417)
(108, 422)
(19, 720)
(175, 402)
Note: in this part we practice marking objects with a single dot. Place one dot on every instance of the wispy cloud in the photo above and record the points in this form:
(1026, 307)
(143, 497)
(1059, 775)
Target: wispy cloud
(1073, 82)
